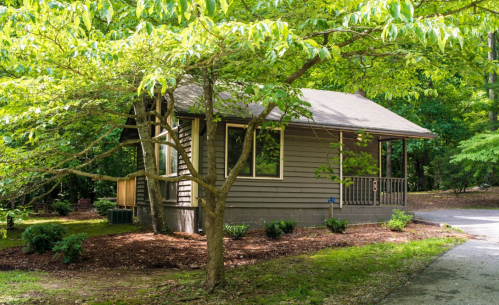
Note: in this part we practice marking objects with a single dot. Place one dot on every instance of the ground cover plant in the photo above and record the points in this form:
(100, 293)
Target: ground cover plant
(41, 238)
(353, 275)
(70, 247)
(273, 229)
(336, 225)
(288, 226)
(102, 206)
(434, 200)
(236, 231)
(398, 220)
(62, 207)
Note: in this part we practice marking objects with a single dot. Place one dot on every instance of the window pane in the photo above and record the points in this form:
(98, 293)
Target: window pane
(268, 153)
(234, 150)
(174, 161)
(162, 159)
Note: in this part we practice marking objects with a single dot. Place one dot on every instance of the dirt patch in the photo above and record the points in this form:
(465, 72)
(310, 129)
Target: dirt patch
(436, 200)
(188, 251)
(70, 216)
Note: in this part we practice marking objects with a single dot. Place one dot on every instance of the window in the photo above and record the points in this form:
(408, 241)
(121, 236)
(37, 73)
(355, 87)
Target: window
(167, 156)
(265, 159)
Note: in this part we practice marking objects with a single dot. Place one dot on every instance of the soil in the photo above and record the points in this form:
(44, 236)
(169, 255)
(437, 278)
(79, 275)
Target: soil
(144, 250)
(436, 200)
(70, 216)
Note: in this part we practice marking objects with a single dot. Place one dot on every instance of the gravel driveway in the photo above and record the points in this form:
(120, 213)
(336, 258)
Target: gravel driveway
(467, 274)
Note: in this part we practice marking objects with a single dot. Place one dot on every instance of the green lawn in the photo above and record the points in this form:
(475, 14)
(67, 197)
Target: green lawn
(92, 227)
(355, 275)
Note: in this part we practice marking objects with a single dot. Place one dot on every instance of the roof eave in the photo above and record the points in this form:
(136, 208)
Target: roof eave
(395, 133)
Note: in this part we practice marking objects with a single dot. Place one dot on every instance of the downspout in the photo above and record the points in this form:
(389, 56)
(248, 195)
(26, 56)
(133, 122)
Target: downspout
(199, 222)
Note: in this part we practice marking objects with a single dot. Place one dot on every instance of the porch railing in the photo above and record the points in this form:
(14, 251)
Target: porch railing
(390, 191)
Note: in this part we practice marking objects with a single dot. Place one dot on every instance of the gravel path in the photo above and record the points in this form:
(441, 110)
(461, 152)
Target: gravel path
(467, 274)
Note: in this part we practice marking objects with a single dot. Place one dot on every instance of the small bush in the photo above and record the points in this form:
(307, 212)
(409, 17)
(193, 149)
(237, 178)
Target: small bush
(70, 248)
(273, 229)
(103, 205)
(42, 238)
(336, 225)
(398, 221)
(236, 231)
(395, 225)
(62, 207)
(288, 226)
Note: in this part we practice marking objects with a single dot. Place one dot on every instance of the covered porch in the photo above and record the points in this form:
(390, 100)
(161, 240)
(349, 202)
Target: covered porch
(377, 190)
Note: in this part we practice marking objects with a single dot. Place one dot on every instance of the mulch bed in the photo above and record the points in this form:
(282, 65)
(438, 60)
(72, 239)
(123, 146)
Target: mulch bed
(70, 216)
(188, 251)
(436, 200)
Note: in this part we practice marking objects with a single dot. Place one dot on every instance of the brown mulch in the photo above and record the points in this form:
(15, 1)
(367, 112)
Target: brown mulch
(188, 251)
(70, 216)
(436, 200)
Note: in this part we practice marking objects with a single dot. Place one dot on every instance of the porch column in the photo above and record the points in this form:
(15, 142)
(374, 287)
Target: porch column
(341, 172)
(405, 171)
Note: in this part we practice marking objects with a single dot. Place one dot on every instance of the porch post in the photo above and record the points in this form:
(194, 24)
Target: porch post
(341, 172)
(405, 171)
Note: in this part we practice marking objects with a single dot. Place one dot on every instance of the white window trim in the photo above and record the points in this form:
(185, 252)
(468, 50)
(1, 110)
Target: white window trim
(281, 159)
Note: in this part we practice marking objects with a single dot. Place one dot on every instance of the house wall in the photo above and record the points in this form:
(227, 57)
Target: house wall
(180, 216)
(300, 195)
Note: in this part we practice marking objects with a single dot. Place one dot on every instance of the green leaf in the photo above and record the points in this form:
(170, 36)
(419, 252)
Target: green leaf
(393, 31)
(109, 13)
(211, 6)
(86, 20)
(323, 53)
(395, 10)
(182, 6)
(7, 139)
(225, 6)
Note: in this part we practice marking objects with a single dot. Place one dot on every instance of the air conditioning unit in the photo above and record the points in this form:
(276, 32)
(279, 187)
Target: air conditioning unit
(116, 216)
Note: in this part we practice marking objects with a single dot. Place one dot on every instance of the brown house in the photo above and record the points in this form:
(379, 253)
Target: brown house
(285, 185)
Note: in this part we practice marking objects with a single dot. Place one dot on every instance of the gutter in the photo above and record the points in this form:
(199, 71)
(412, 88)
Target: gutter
(384, 132)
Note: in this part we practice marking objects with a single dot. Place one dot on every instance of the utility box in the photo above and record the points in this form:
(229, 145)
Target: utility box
(116, 216)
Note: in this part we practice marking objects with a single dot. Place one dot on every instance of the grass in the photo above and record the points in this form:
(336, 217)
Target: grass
(355, 275)
(92, 227)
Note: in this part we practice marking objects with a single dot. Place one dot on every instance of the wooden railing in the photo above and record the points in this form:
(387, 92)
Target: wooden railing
(390, 191)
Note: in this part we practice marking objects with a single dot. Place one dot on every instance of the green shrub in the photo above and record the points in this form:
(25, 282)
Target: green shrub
(396, 225)
(273, 229)
(288, 226)
(70, 247)
(41, 238)
(236, 231)
(62, 207)
(398, 221)
(103, 205)
(336, 225)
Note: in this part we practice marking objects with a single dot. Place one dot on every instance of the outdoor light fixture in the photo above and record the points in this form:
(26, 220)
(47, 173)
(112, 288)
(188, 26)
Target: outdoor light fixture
(359, 137)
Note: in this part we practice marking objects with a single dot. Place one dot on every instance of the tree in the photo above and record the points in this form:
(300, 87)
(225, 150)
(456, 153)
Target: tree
(72, 66)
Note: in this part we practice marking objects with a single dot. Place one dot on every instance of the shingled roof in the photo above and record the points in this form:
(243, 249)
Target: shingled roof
(337, 110)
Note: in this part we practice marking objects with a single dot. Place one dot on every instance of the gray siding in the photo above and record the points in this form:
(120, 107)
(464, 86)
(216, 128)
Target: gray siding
(184, 187)
(372, 148)
(299, 190)
(141, 191)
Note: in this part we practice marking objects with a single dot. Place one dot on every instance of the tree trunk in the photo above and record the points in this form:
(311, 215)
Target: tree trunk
(10, 220)
(158, 217)
(215, 207)
(492, 78)
(215, 273)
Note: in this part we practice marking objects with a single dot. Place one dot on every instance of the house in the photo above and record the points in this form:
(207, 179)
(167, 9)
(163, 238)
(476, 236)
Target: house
(284, 187)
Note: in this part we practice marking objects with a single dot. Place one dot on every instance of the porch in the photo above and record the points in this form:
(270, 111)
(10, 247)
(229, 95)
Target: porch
(377, 191)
